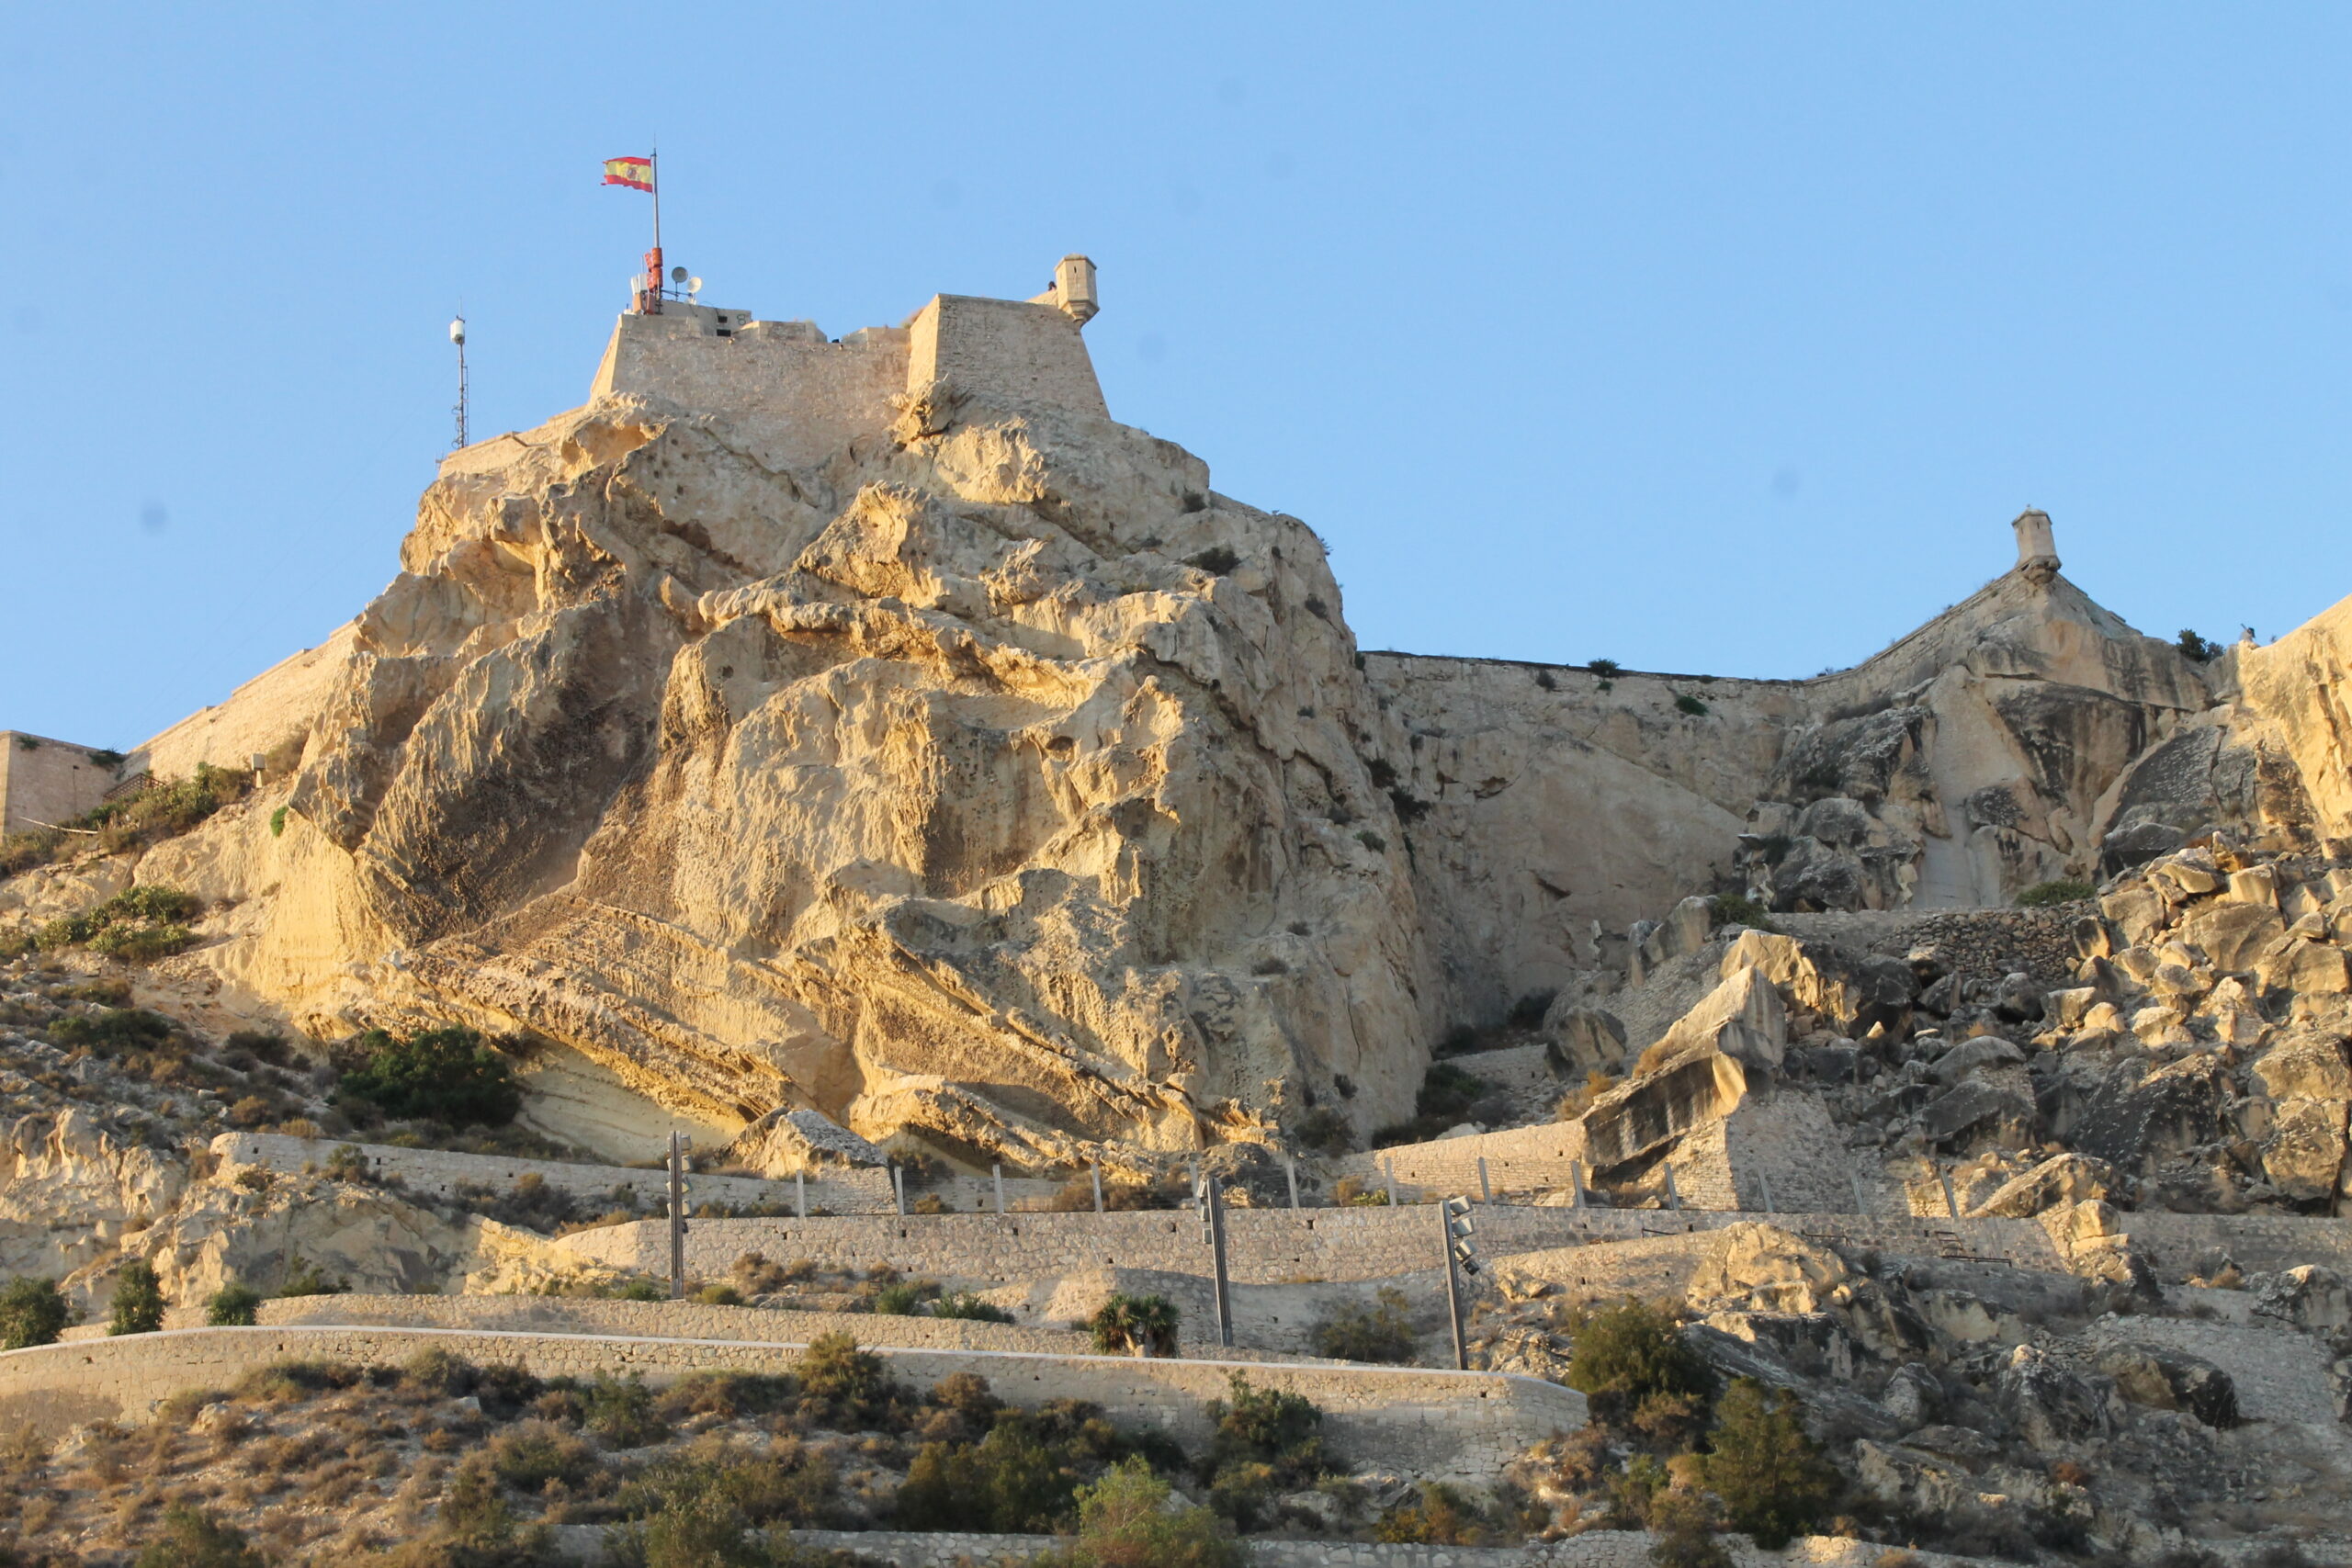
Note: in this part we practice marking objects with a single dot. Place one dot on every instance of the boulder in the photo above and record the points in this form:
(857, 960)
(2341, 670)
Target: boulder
(2304, 1154)
(2053, 1405)
(1742, 1017)
(2310, 1296)
(2233, 935)
(1758, 1267)
(1661, 1105)
(1913, 1396)
(2167, 1379)
(801, 1143)
(2064, 1178)
(2303, 1066)
(1584, 1040)
(1852, 993)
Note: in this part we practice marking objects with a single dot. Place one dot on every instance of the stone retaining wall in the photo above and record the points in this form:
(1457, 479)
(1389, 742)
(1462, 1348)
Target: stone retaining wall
(1460, 1425)
(1593, 1548)
(1275, 1246)
(662, 1320)
(440, 1172)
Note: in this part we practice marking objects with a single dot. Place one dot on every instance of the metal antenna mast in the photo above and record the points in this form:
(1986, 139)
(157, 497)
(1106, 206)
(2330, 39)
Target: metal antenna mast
(458, 336)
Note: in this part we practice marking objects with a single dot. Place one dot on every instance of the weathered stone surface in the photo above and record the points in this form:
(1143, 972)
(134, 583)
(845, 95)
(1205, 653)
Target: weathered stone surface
(2066, 1178)
(2168, 1379)
(797, 1142)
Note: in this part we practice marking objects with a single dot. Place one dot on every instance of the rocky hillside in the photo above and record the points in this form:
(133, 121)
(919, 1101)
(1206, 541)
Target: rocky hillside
(982, 778)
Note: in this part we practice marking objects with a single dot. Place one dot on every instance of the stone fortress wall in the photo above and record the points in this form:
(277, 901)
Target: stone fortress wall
(1275, 1247)
(439, 1173)
(805, 396)
(1443, 1425)
(43, 782)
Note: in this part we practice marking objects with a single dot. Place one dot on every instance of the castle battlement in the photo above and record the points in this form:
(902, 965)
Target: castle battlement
(813, 394)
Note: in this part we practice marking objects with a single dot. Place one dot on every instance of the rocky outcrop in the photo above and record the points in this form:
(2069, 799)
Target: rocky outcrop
(994, 782)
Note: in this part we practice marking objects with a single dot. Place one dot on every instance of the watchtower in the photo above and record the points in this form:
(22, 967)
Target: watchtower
(2037, 547)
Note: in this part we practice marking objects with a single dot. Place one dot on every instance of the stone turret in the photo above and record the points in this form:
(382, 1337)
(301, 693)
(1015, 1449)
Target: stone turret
(1073, 290)
(2037, 548)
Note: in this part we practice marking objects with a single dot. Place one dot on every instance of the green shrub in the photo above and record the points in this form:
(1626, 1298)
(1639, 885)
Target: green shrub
(1380, 1333)
(970, 1308)
(1624, 1354)
(193, 1539)
(31, 1313)
(127, 1028)
(304, 1277)
(278, 823)
(1687, 703)
(1685, 1528)
(1324, 1131)
(529, 1454)
(1448, 1094)
(1736, 909)
(1266, 1441)
(786, 1485)
(846, 1388)
(642, 1291)
(165, 810)
(2059, 890)
(1372, 840)
(1439, 1517)
(232, 1306)
(1008, 1482)
(1125, 1520)
(727, 1395)
(138, 1304)
(903, 1297)
(620, 1412)
(1134, 1325)
(140, 924)
(1604, 668)
(442, 1075)
(1774, 1484)
(2196, 647)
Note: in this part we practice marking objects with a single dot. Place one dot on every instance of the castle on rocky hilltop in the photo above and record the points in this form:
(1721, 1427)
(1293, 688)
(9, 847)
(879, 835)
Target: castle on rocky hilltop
(1025, 356)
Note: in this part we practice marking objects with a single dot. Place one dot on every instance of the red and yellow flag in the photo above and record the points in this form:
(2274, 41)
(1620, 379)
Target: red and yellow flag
(635, 172)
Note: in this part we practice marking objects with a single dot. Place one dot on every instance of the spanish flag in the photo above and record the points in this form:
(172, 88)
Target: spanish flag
(635, 172)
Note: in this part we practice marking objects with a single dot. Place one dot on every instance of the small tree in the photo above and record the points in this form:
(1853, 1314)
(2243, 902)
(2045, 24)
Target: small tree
(138, 1306)
(843, 1387)
(1625, 1354)
(31, 1313)
(1771, 1476)
(446, 1075)
(193, 1539)
(1125, 1520)
(232, 1306)
(1138, 1325)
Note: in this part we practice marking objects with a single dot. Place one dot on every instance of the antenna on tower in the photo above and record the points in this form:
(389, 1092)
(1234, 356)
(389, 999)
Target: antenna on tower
(458, 336)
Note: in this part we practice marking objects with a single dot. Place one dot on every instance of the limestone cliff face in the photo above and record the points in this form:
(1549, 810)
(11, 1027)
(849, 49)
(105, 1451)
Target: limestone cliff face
(992, 779)
(1552, 807)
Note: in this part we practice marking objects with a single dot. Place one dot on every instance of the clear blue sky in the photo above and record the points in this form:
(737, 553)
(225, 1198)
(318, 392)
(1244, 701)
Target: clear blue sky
(1718, 338)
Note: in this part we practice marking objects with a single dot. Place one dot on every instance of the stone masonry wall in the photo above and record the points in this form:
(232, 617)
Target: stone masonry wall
(44, 781)
(1593, 1548)
(440, 1173)
(782, 381)
(1460, 1426)
(1016, 355)
(1273, 1246)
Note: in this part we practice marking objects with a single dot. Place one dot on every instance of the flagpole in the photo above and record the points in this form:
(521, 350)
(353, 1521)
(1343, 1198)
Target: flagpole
(655, 163)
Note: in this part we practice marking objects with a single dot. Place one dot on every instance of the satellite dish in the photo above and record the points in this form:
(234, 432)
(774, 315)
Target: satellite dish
(677, 274)
(458, 331)
(694, 286)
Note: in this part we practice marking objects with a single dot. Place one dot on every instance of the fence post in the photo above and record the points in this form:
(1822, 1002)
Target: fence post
(899, 1187)
(1951, 1201)
(1388, 1174)
(1217, 1253)
(997, 1171)
(677, 1217)
(800, 1192)
(1673, 1194)
(1290, 1174)
(1486, 1188)
(1576, 1184)
(1453, 1287)
(1096, 1169)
